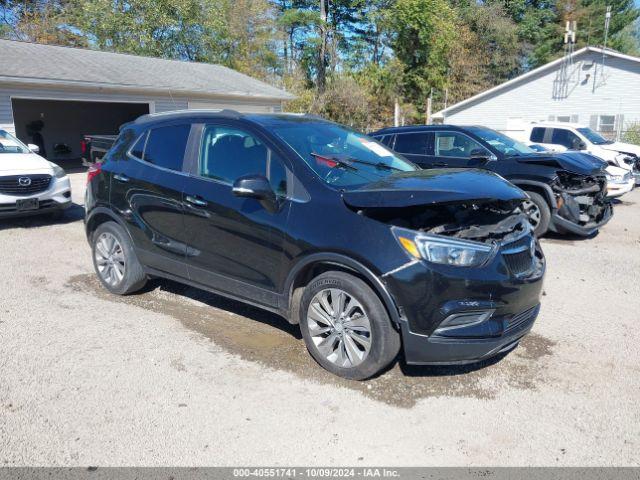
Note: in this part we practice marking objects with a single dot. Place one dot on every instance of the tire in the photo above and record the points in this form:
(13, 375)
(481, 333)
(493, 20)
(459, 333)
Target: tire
(117, 268)
(543, 217)
(342, 348)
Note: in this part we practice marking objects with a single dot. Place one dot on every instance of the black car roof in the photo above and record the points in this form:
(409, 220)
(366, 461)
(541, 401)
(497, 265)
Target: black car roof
(423, 128)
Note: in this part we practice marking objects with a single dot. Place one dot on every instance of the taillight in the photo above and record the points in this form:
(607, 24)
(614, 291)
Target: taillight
(94, 170)
(83, 146)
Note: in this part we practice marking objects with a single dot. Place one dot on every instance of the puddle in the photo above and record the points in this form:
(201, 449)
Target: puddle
(263, 337)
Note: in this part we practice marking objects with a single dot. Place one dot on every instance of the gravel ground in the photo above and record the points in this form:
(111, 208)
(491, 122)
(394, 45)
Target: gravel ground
(176, 376)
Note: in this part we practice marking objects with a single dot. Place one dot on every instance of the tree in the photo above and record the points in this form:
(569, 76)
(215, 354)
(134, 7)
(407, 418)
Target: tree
(421, 35)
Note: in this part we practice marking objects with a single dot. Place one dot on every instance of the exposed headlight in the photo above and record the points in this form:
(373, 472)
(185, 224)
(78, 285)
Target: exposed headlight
(58, 172)
(444, 250)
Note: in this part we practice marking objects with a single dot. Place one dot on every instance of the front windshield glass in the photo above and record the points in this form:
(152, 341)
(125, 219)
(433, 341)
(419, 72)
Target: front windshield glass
(506, 145)
(10, 144)
(594, 137)
(341, 157)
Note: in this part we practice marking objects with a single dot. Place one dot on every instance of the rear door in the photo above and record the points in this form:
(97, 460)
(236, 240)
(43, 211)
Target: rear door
(146, 190)
(235, 244)
(453, 149)
(416, 146)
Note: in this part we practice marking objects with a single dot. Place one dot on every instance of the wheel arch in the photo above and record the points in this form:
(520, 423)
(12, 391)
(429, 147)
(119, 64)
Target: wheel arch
(540, 188)
(100, 215)
(313, 265)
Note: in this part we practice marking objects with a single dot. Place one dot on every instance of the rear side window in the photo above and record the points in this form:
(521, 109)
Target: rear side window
(412, 143)
(165, 146)
(537, 135)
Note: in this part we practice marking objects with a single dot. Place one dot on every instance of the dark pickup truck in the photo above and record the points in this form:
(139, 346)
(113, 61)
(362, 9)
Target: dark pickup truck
(94, 147)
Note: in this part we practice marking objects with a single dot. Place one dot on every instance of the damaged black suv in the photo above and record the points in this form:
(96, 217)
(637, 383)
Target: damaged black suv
(323, 226)
(567, 191)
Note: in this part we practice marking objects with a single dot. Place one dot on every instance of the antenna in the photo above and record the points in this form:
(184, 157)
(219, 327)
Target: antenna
(561, 83)
(607, 21)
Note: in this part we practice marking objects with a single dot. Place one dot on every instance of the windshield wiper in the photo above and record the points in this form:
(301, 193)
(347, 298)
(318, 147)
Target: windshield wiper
(336, 160)
(347, 161)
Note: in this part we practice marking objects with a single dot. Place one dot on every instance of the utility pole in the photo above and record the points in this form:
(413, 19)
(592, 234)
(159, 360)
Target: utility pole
(428, 112)
(396, 113)
(322, 70)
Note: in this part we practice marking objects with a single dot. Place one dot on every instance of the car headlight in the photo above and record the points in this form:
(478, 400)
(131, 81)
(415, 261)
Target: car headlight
(444, 250)
(58, 172)
(615, 178)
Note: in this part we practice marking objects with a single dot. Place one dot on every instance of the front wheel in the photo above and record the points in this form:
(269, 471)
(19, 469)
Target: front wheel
(538, 212)
(346, 328)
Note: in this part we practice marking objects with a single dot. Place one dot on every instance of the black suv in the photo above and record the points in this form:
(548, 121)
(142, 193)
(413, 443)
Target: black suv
(567, 191)
(324, 226)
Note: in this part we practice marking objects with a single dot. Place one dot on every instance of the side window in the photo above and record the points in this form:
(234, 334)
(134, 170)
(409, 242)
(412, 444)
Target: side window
(454, 144)
(537, 135)
(138, 148)
(166, 145)
(566, 138)
(229, 153)
(412, 143)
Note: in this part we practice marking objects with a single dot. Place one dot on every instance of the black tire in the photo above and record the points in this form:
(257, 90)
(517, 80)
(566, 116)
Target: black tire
(544, 211)
(134, 277)
(384, 339)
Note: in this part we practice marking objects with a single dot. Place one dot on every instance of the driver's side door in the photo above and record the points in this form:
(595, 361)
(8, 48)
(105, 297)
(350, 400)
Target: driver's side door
(231, 242)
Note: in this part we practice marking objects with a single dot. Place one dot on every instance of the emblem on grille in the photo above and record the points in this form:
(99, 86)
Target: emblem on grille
(24, 181)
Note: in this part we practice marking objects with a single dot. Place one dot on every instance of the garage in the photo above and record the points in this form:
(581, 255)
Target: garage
(58, 126)
(52, 96)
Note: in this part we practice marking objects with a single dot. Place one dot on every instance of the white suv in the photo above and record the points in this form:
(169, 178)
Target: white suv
(561, 136)
(29, 184)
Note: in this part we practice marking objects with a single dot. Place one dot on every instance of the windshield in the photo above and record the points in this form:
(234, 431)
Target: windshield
(341, 157)
(594, 137)
(506, 145)
(10, 144)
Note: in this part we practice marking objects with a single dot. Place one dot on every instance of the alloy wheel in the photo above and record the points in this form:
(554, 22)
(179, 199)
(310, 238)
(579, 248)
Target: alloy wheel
(532, 211)
(339, 327)
(110, 259)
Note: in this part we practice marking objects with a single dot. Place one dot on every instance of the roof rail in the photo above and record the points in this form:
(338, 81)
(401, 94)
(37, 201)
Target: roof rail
(188, 112)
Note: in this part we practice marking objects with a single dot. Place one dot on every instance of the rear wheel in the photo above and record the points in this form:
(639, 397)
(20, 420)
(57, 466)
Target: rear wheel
(115, 261)
(346, 328)
(538, 212)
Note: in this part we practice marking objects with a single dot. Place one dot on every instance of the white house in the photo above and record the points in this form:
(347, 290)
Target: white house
(72, 91)
(596, 87)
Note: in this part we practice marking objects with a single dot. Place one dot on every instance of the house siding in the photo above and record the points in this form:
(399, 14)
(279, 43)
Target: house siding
(540, 97)
(158, 103)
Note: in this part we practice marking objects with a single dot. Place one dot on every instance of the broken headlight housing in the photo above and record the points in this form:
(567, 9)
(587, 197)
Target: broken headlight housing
(444, 250)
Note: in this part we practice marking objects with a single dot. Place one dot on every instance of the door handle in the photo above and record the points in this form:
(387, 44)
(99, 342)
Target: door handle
(121, 177)
(439, 164)
(195, 200)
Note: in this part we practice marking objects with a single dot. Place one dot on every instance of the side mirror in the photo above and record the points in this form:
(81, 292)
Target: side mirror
(257, 187)
(34, 148)
(480, 156)
(582, 146)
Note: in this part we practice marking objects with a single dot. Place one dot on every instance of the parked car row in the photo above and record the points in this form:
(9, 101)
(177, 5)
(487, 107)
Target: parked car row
(416, 238)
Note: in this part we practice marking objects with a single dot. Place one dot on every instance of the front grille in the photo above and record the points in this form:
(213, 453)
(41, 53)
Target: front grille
(521, 318)
(517, 255)
(17, 184)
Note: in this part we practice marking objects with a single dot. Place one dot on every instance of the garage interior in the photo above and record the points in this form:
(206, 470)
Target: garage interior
(60, 125)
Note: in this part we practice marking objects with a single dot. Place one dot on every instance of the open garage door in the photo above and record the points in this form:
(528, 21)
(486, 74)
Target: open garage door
(59, 125)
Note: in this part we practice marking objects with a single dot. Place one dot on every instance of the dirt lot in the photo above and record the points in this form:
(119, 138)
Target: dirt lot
(176, 376)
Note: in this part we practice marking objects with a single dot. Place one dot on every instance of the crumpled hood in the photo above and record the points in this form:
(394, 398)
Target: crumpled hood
(425, 187)
(575, 162)
(622, 148)
(17, 163)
